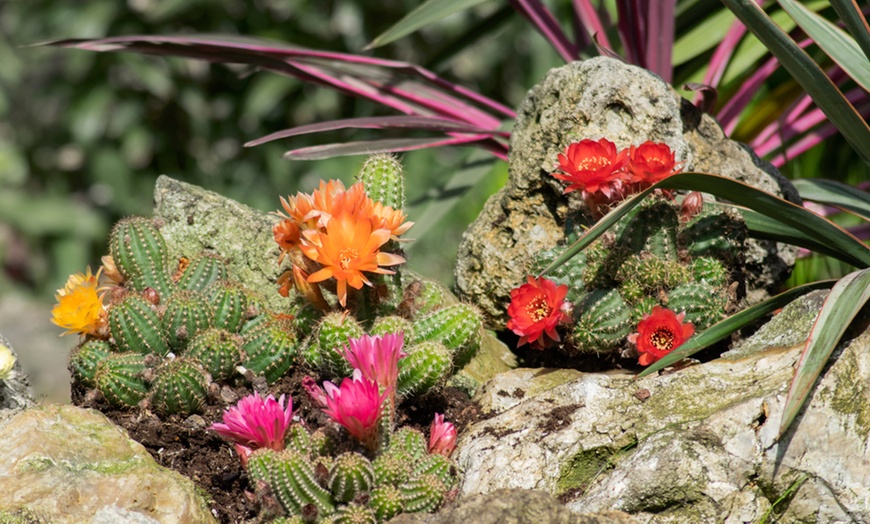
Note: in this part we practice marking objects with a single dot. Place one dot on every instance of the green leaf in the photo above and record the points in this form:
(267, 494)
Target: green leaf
(428, 13)
(833, 41)
(811, 226)
(835, 194)
(702, 37)
(724, 328)
(811, 77)
(841, 306)
(855, 22)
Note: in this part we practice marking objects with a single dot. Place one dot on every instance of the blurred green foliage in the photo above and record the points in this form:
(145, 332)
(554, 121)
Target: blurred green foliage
(84, 135)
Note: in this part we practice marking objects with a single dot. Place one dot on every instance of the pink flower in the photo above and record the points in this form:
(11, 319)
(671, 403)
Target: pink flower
(377, 357)
(442, 436)
(257, 422)
(315, 392)
(356, 405)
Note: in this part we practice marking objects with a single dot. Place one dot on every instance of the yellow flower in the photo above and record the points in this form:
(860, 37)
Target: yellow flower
(7, 362)
(79, 308)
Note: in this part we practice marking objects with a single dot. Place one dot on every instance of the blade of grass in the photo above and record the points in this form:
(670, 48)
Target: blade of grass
(841, 306)
(725, 328)
(833, 41)
(851, 15)
(807, 73)
(426, 14)
(835, 194)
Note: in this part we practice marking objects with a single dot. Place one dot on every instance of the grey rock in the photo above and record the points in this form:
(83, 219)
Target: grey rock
(699, 446)
(600, 97)
(512, 506)
(15, 391)
(68, 464)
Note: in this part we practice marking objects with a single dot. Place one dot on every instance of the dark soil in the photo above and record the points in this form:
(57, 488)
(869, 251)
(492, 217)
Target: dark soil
(185, 444)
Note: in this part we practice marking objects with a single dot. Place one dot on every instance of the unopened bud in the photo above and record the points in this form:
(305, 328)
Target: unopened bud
(693, 203)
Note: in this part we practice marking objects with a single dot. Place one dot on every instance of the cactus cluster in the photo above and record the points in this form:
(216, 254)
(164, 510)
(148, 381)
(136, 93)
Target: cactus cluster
(172, 331)
(652, 257)
(308, 484)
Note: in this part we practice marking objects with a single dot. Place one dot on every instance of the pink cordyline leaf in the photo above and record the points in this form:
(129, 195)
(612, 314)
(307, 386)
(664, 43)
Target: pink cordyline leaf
(386, 145)
(646, 28)
(812, 139)
(356, 405)
(442, 436)
(257, 422)
(631, 30)
(544, 21)
(588, 24)
(377, 357)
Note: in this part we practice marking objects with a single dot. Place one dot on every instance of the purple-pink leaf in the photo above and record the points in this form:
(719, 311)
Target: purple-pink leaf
(379, 122)
(588, 24)
(388, 145)
(544, 21)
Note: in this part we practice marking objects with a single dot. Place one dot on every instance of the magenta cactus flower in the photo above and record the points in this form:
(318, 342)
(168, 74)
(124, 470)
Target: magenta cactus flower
(256, 422)
(442, 436)
(377, 357)
(356, 405)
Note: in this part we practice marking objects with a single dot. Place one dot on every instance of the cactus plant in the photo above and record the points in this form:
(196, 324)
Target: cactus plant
(383, 180)
(85, 358)
(120, 379)
(270, 349)
(185, 316)
(351, 475)
(180, 386)
(202, 271)
(136, 327)
(140, 255)
(218, 350)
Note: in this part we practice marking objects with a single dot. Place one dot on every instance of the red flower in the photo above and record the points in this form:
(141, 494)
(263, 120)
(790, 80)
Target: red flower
(651, 162)
(659, 333)
(536, 308)
(592, 167)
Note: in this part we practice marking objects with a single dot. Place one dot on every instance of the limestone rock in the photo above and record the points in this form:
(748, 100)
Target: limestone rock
(71, 465)
(600, 97)
(512, 506)
(696, 445)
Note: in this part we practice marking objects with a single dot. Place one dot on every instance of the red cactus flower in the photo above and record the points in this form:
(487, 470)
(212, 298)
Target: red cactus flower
(356, 405)
(651, 162)
(377, 357)
(442, 436)
(256, 422)
(536, 308)
(659, 333)
(592, 167)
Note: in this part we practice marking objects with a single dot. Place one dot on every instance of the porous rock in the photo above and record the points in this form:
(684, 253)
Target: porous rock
(66, 464)
(596, 98)
(699, 445)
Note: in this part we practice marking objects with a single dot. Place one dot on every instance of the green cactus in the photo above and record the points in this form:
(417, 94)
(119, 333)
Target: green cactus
(229, 302)
(392, 324)
(715, 232)
(420, 296)
(291, 479)
(384, 181)
(386, 502)
(426, 364)
(180, 386)
(603, 320)
(409, 441)
(710, 270)
(202, 271)
(328, 342)
(186, 315)
(136, 327)
(438, 465)
(218, 350)
(354, 514)
(140, 254)
(650, 228)
(423, 493)
(351, 475)
(392, 468)
(704, 305)
(270, 349)
(85, 358)
(120, 379)
(459, 327)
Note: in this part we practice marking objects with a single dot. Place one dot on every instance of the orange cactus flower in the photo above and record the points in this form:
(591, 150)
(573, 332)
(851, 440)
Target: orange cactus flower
(592, 167)
(349, 247)
(287, 236)
(659, 333)
(537, 308)
(389, 218)
(651, 162)
(79, 308)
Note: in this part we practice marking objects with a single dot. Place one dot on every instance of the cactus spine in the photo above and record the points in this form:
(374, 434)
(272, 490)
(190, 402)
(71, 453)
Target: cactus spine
(84, 360)
(119, 379)
(351, 475)
(140, 254)
(186, 315)
(270, 349)
(136, 327)
(179, 387)
(384, 181)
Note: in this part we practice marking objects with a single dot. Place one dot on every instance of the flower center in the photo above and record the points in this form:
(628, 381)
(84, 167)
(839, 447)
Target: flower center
(346, 256)
(662, 339)
(591, 163)
(538, 309)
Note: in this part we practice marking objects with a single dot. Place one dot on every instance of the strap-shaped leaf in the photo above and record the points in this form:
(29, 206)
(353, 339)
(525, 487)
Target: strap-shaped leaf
(851, 15)
(817, 229)
(385, 145)
(835, 194)
(725, 328)
(834, 41)
(427, 13)
(807, 73)
(841, 306)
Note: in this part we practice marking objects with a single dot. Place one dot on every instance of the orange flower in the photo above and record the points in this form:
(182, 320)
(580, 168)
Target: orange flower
(659, 333)
(592, 167)
(651, 162)
(79, 309)
(536, 308)
(347, 249)
(287, 236)
(389, 218)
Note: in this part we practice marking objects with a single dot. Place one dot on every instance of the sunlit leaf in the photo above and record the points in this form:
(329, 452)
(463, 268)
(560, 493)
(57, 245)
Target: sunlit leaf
(852, 16)
(835, 194)
(427, 13)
